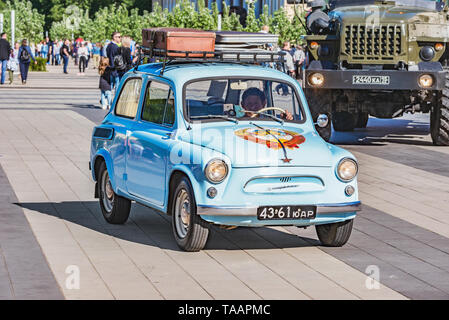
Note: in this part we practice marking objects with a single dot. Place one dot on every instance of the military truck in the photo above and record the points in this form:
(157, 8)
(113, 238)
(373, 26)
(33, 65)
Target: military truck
(378, 58)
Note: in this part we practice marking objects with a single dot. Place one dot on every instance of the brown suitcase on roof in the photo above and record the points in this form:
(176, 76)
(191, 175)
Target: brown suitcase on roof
(179, 39)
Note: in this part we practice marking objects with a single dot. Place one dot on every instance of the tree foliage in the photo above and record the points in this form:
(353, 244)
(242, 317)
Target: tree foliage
(96, 20)
(29, 24)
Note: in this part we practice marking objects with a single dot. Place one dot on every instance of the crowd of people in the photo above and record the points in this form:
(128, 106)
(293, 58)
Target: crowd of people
(14, 58)
(112, 58)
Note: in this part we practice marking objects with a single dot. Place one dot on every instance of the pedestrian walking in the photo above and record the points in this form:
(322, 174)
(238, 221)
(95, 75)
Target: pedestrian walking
(25, 57)
(5, 51)
(58, 46)
(105, 83)
(96, 52)
(111, 53)
(83, 54)
(289, 66)
(65, 54)
(125, 52)
(298, 59)
(13, 62)
(51, 52)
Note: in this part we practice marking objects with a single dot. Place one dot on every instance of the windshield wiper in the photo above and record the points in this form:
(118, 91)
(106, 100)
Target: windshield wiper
(273, 117)
(217, 116)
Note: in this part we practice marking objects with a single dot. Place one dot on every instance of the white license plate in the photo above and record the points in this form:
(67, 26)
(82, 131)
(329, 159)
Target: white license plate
(286, 212)
(380, 80)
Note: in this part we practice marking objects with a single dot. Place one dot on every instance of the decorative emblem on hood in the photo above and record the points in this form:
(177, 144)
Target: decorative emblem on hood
(272, 138)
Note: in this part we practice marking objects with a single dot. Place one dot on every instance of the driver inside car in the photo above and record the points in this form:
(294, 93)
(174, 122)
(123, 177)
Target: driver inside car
(253, 100)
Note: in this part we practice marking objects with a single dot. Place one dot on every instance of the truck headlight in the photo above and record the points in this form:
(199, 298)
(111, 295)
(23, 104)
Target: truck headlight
(427, 53)
(216, 170)
(425, 81)
(316, 79)
(347, 169)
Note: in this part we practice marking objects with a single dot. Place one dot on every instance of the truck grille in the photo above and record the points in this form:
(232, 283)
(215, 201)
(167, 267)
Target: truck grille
(365, 42)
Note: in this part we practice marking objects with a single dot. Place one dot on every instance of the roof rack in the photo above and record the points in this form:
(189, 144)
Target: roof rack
(234, 55)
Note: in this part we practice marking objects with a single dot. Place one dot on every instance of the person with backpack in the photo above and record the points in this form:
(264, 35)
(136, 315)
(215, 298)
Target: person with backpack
(5, 51)
(115, 58)
(126, 61)
(25, 57)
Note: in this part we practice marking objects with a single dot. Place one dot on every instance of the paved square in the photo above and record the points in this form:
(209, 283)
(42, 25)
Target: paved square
(50, 224)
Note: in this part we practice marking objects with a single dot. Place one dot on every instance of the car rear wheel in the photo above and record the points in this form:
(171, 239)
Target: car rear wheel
(334, 234)
(115, 208)
(190, 231)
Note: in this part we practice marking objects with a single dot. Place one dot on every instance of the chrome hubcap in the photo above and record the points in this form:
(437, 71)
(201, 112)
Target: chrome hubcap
(107, 192)
(182, 213)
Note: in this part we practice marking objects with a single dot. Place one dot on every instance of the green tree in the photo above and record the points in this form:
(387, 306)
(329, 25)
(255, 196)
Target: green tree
(29, 24)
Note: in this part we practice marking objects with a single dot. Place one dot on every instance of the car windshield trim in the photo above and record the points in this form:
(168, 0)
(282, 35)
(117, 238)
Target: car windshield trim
(216, 116)
(301, 108)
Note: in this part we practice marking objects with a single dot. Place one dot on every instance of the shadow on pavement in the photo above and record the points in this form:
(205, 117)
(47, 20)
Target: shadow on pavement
(148, 227)
(381, 132)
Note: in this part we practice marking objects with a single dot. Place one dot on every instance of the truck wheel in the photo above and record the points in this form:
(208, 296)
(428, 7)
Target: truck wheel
(361, 120)
(325, 132)
(115, 209)
(334, 234)
(439, 118)
(343, 121)
(190, 231)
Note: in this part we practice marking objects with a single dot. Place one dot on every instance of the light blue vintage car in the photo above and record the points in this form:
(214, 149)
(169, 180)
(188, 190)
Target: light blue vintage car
(221, 143)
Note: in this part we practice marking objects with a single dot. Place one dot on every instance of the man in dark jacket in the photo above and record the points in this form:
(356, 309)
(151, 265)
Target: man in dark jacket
(111, 52)
(5, 51)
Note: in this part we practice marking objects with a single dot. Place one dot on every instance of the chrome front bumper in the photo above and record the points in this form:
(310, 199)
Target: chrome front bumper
(321, 209)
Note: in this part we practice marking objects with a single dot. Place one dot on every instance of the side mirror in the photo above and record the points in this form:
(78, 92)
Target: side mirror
(322, 121)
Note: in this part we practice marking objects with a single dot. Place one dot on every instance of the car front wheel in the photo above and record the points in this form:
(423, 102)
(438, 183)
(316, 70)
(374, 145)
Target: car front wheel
(190, 231)
(115, 209)
(334, 234)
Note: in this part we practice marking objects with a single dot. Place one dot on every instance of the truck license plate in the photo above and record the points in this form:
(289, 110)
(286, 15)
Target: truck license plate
(381, 80)
(286, 212)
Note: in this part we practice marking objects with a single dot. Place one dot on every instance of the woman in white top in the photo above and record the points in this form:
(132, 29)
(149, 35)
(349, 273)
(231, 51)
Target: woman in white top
(13, 62)
(83, 53)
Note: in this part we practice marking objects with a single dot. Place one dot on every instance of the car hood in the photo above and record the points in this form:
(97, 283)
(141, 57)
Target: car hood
(263, 144)
(383, 14)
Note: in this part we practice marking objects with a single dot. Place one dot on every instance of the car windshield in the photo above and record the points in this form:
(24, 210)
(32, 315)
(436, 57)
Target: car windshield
(428, 5)
(242, 99)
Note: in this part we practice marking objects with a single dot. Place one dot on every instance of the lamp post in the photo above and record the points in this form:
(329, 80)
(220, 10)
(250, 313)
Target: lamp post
(13, 26)
(1, 22)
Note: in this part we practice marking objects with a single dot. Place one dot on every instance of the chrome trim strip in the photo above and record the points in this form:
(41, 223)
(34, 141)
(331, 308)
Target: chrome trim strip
(283, 176)
(252, 211)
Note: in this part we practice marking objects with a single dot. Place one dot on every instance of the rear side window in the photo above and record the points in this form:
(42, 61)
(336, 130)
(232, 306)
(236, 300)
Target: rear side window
(159, 106)
(128, 101)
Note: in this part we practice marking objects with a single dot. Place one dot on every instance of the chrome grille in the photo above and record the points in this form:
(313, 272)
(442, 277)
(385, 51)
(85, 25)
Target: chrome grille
(365, 42)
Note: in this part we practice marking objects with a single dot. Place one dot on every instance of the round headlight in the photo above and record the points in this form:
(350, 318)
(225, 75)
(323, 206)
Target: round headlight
(347, 169)
(216, 170)
(425, 81)
(427, 53)
(439, 46)
(314, 45)
(316, 79)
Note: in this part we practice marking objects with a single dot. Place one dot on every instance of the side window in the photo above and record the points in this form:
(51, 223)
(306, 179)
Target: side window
(128, 101)
(159, 106)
